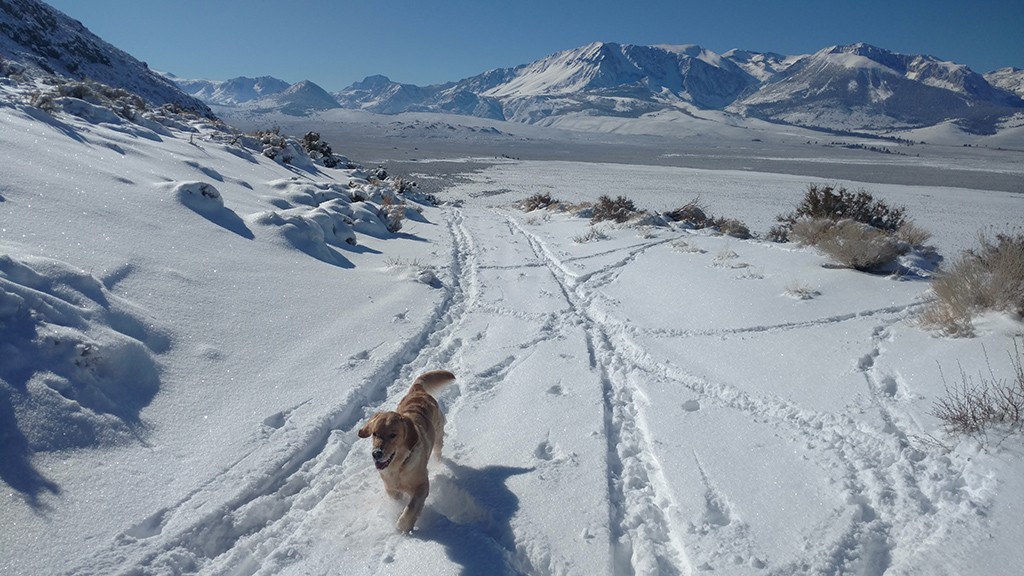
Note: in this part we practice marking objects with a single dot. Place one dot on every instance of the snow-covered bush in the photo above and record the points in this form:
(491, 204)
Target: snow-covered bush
(392, 211)
(592, 234)
(320, 151)
(9, 69)
(692, 214)
(990, 277)
(125, 104)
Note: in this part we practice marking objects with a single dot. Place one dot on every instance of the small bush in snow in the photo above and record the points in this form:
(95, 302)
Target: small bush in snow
(837, 203)
(589, 236)
(692, 214)
(730, 227)
(538, 201)
(811, 231)
(859, 246)
(913, 234)
(618, 210)
(970, 408)
(987, 278)
(821, 204)
(10, 69)
(392, 211)
(801, 291)
(120, 101)
(320, 150)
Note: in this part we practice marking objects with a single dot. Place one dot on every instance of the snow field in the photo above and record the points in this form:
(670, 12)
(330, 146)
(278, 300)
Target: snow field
(653, 401)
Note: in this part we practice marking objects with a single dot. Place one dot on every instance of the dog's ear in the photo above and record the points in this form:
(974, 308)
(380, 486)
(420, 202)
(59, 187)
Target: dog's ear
(411, 436)
(366, 430)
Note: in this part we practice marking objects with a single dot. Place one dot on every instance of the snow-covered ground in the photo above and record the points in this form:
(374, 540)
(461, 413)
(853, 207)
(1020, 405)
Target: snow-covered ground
(182, 373)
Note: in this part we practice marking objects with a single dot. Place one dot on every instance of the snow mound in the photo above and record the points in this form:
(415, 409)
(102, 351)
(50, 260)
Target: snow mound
(79, 364)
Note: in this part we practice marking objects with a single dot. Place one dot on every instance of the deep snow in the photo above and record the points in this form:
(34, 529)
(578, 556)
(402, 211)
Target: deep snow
(190, 342)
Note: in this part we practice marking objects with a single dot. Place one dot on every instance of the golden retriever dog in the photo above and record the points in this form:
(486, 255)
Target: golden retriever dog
(403, 441)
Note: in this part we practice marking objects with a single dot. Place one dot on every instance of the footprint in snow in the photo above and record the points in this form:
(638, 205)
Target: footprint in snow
(544, 451)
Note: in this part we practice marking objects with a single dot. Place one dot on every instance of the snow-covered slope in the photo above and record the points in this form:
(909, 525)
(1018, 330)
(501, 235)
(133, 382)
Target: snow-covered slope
(231, 92)
(841, 88)
(861, 87)
(379, 94)
(40, 37)
(259, 95)
(1010, 79)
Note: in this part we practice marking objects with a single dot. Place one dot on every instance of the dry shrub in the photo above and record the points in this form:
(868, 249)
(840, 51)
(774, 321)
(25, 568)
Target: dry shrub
(537, 202)
(987, 278)
(970, 408)
(731, 227)
(693, 214)
(838, 203)
(859, 246)
(811, 231)
(822, 204)
(392, 211)
(913, 234)
(618, 210)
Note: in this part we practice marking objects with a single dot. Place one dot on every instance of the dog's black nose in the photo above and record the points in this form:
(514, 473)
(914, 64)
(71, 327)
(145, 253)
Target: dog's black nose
(377, 453)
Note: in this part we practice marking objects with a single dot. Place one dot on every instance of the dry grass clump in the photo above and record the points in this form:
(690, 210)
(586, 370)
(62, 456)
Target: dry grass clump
(970, 408)
(859, 246)
(592, 234)
(730, 227)
(990, 277)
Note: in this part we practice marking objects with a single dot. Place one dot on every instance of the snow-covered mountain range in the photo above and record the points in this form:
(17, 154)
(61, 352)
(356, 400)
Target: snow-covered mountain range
(41, 38)
(846, 88)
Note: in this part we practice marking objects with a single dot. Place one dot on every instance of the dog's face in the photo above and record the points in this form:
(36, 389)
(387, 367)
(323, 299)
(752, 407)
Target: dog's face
(393, 437)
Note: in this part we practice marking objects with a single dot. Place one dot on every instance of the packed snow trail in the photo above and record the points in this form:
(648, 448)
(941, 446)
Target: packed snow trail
(552, 464)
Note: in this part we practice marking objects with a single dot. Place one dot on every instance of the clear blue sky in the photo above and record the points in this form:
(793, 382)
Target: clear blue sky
(337, 42)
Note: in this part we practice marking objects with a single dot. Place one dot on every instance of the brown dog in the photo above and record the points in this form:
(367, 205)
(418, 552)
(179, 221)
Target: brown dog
(403, 440)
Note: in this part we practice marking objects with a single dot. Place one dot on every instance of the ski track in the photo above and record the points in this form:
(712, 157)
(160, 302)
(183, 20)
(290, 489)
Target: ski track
(645, 540)
(876, 470)
(256, 527)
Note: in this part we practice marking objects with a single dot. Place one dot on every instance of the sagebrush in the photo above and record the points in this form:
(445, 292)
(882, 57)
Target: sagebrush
(837, 203)
(990, 277)
(970, 408)
(537, 201)
(618, 210)
(853, 228)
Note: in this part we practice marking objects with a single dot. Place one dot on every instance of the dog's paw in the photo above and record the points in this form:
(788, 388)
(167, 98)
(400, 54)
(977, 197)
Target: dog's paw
(405, 523)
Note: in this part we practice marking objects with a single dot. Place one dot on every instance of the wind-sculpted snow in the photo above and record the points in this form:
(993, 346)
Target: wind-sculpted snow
(78, 366)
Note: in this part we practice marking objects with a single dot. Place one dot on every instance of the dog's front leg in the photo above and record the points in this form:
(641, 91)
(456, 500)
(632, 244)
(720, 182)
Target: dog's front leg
(412, 511)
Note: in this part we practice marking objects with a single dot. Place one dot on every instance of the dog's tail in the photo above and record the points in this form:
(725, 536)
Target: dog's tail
(433, 381)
